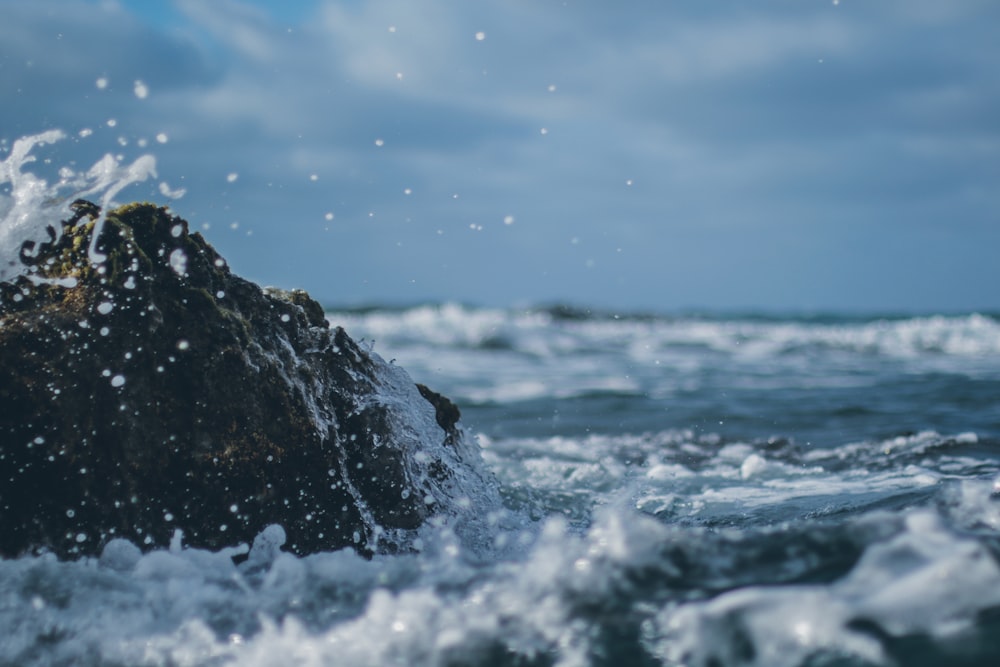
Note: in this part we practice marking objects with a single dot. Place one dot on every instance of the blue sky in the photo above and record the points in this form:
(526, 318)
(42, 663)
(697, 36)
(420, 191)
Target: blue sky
(806, 155)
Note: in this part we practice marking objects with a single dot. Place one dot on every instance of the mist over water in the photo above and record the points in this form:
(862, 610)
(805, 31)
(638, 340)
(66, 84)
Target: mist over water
(674, 490)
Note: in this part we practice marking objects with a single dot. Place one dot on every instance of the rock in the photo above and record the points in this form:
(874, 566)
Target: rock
(144, 388)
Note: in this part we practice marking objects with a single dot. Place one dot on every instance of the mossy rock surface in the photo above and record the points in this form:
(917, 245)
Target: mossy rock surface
(154, 390)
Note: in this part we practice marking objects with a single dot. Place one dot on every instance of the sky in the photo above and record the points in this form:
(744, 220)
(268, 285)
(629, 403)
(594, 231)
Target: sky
(806, 155)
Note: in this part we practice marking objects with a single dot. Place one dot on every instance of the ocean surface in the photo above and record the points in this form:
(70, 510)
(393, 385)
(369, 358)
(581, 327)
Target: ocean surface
(687, 489)
(699, 490)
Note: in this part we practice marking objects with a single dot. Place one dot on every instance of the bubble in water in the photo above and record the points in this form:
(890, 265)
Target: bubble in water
(118, 381)
(140, 89)
(101, 83)
(231, 178)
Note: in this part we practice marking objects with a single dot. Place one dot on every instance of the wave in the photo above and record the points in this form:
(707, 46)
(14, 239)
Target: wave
(910, 587)
(550, 331)
(681, 476)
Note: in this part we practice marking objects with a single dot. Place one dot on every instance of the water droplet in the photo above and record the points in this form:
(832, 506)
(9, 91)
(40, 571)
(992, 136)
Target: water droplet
(178, 262)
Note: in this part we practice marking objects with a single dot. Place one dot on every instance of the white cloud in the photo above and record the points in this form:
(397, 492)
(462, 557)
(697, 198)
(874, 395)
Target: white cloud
(726, 119)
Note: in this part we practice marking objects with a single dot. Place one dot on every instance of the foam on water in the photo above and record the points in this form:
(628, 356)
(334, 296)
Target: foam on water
(543, 333)
(543, 355)
(702, 480)
(626, 588)
(927, 581)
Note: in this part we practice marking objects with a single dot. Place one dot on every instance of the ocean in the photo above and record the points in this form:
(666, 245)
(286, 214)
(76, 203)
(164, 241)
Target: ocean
(682, 489)
(686, 489)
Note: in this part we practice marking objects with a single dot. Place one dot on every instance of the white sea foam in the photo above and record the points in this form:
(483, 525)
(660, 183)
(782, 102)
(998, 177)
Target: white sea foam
(925, 581)
(546, 601)
(540, 333)
(679, 476)
(32, 205)
(485, 355)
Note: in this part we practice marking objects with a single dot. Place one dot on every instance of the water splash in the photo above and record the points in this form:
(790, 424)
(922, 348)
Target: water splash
(32, 206)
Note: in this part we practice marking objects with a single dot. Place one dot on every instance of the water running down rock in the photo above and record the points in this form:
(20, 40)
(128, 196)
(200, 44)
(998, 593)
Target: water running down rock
(155, 391)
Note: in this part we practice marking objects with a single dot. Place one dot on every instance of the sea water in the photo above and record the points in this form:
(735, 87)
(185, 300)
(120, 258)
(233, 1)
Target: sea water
(676, 489)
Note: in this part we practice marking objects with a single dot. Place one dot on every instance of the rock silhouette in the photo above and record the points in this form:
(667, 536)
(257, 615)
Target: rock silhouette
(145, 388)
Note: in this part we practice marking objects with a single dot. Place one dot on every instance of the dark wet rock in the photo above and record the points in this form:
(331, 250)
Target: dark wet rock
(155, 391)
